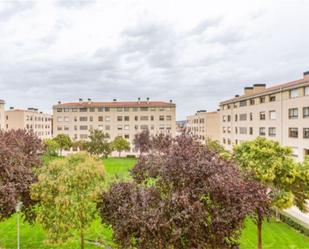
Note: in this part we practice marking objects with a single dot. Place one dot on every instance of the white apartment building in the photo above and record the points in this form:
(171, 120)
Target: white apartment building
(280, 113)
(115, 118)
(31, 119)
(2, 115)
(204, 125)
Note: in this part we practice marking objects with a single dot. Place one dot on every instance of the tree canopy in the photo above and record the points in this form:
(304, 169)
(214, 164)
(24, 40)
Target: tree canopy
(98, 143)
(64, 142)
(19, 157)
(66, 191)
(186, 196)
(120, 144)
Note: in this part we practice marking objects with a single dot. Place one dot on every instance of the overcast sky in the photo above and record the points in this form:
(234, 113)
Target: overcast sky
(196, 53)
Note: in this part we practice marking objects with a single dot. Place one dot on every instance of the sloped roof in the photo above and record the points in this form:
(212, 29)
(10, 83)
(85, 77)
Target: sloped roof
(116, 104)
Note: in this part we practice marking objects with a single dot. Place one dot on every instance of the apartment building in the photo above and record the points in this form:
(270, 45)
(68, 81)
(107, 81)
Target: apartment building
(31, 119)
(204, 125)
(2, 116)
(279, 113)
(114, 118)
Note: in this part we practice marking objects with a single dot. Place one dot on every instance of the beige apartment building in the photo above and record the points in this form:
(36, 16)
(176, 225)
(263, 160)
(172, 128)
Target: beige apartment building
(31, 119)
(2, 115)
(114, 118)
(280, 113)
(204, 125)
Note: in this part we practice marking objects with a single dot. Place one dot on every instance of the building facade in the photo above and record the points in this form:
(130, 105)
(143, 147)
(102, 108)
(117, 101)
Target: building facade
(2, 115)
(204, 125)
(279, 113)
(31, 119)
(114, 118)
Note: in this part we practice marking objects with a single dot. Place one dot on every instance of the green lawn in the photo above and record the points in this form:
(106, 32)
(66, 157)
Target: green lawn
(275, 235)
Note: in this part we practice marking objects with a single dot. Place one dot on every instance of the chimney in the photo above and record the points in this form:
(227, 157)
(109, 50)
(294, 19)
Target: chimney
(138, 100)
(89, 99)
(171, 101)
(12, 108)
(115, 100)
(59, 102)
(147, 100)
(306, 75)
(80, 100)
(248, 90)
(257, 88)
(236, 96)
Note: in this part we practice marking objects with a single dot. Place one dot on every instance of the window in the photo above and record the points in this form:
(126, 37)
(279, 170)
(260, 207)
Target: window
(161, 118)
(306, 91)
(262, 131)
(293, 113)
(144, 109)
(228, 118)
(82, 109)
(252, 101)
(243, 117)
(236, 117)
(293, 93)
(144, 127)
(169, 118)
(126, 136)
(136, 127)
(107, 118)
(262, 116)
(66, 128)
(107, 109)
(119, 109)
(153, 109)
(107, 127)
(91, 118)
(83, 119)
(236, 130)
(250, 130)
(306, 133)
(83, 136)
(74, 110)
(262, 100)
(119, 127)
(272, 115)
(242, 130)
(272, 98)
(126, 127)
(100, 118)
(144, 118)
(59, 128)
(152, 118)
(135, 109)
(83, 127)
(59, 119)
(293, 132)
(306, 112)
(92, 109)
(126, 118)
(251, 116)
(126, 109)
(101, 109)
(66, 109)
(119, 118)
(243, 103)
(272, 131)
(223, 118)
(59, 109)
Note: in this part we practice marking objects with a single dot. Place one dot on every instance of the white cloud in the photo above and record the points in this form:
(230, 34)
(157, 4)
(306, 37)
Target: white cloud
(196, 52)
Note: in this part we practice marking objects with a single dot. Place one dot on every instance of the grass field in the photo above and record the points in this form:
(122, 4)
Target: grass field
(275, 235)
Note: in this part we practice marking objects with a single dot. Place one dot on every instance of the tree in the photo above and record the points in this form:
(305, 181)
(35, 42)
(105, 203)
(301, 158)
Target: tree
(19, 157)
(51, 147)
(214, 145)
(142, 141)
(80, 144)
(185, 197)
(120, 144)
(274, 166)
(98, 143)
(64, 142)
(66, 191)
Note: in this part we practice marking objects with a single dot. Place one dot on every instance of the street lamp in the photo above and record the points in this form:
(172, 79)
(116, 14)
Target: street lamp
(18, 208)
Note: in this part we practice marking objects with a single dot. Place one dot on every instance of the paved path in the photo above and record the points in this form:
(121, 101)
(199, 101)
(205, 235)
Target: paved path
(296, 213)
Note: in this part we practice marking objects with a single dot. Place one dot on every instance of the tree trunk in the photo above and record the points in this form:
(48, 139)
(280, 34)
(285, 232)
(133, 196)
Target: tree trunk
(259, 231)
(119, 153)
(82, 239)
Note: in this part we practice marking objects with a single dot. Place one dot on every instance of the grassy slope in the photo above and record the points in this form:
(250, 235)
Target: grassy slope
(276, 235)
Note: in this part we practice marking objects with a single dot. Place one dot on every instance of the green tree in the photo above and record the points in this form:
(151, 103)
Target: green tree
(64, 141)
(120, 144)
(275, 167)
(98, 143)
(215, 146)
(51, 147)
(67, 190)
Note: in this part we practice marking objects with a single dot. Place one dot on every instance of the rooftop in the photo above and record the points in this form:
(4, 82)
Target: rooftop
(268, 90)
(116, 104)
(2, 101)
